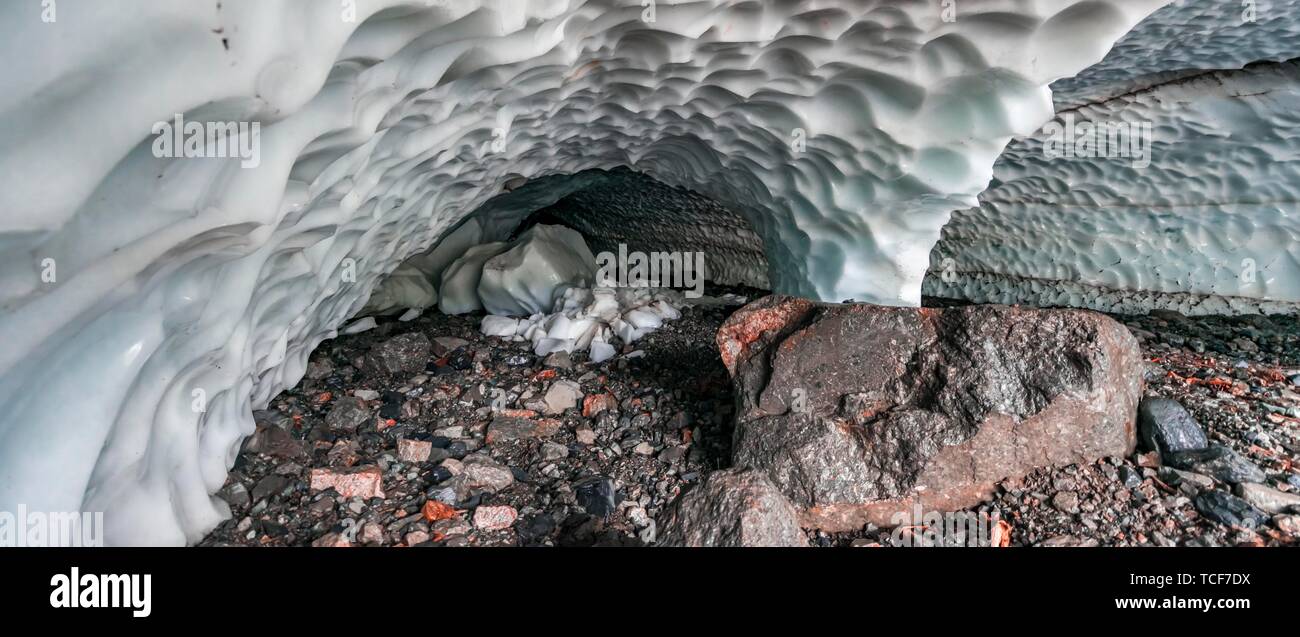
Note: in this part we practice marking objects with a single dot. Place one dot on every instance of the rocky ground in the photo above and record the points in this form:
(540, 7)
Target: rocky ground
(426, 433)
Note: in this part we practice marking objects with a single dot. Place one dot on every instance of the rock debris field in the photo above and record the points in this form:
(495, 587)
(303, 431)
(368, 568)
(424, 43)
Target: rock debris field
(426, 433)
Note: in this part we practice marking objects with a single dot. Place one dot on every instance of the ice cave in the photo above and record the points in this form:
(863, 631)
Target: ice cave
(196, 196)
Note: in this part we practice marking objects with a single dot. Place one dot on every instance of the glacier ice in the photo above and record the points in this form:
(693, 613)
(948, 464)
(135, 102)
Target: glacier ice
(408, 287)
(461, 279)
(528, 277)
(1210, 226)
(148, 304)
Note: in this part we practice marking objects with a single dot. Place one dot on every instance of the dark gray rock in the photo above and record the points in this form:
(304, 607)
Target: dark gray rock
(596, 495)
(277, 443)
(734, 507)
(1165, 426)
(269, 486)
(559, 360)
(1218, 462)
(1228, 509)
(347, 414)
(1132, 478)
(858, 412)
(399, 355)
(319, 368)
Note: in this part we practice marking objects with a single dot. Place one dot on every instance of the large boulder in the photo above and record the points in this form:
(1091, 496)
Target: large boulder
(859, 412)
(734, 507)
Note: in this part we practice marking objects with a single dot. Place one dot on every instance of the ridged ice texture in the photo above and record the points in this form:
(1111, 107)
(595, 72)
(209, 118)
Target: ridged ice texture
(189, 292)
(1212, 225)
(1188, 37)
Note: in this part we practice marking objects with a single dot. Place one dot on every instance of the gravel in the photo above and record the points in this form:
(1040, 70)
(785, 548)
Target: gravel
(652, 421)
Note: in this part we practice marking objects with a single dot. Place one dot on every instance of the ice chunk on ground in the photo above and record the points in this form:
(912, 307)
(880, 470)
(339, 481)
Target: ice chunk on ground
(504, 326)
(532, 275)
(460, 280)
(359, 326)
(601, 352)
(588, 319)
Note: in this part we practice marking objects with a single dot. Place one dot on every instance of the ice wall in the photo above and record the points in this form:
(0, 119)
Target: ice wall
(1206, 223)
(148, 303)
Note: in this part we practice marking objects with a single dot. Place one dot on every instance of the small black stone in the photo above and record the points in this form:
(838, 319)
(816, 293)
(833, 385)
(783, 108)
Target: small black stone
(1131, 477)
(457, 449)
(1229, 509)
(439, 474)
(596, 496)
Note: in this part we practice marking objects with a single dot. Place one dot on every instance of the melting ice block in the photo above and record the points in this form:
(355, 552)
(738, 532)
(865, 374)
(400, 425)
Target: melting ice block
(529, 277)
(460, 281)
(406, 288)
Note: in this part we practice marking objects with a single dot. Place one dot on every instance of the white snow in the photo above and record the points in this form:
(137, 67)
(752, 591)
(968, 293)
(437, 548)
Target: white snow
(845, 133)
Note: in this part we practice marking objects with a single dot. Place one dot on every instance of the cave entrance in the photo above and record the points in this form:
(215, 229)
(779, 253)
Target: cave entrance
(478, 439)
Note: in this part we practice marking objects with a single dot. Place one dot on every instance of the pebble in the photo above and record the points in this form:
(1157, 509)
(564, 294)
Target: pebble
(269, 486)
(413, 451)
(1268, 499)
(1129, 476)
(1229, 509)
(1066, 502)
(331, 540)
(444, 345)
(562, 395)
(554, 451)
(372, 534)
(494, 518)
(348, 414)
(1288, 524)
(486, 474)
(365, 482)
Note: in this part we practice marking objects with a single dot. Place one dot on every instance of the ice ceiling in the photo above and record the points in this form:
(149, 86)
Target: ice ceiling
(148, 303)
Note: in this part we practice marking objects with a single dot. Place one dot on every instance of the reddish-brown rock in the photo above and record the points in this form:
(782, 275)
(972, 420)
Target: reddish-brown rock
(596, 403)
(413, 451)
(365, 482)
(856, 412)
